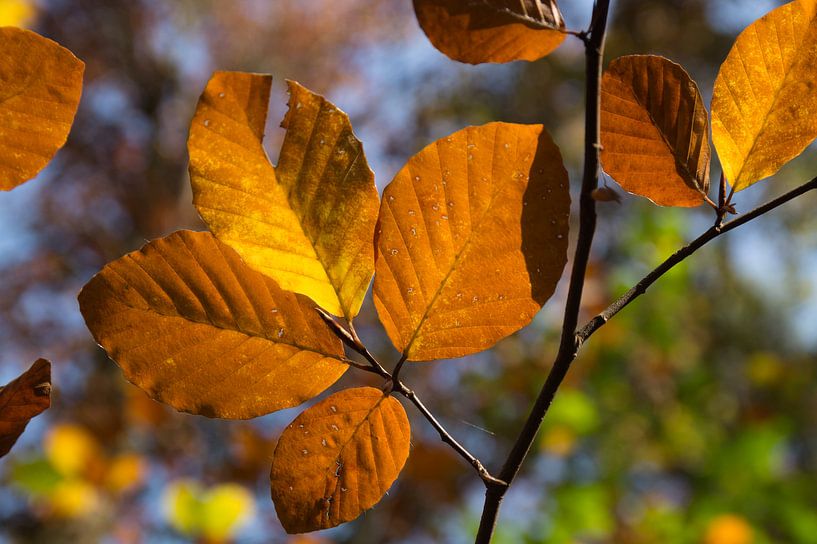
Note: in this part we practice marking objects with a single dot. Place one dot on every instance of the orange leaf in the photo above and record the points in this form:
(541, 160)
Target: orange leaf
(655, 131)
(338, 458)
(307, 223)
(196, 328)
(22, 399)
(491, 30)
(764, 106)
(40, 86)
(472, 240)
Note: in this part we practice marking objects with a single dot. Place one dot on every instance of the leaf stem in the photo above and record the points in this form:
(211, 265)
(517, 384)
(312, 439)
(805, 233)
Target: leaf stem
(594, 47)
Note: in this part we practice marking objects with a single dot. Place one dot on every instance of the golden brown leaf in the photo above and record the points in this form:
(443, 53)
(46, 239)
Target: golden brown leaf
(307, 223)
(196, 328)
(655, 131)
(21, 400)
(764, 106)
(40, 86)
(472, 240)
(338, 459)
(491, 30)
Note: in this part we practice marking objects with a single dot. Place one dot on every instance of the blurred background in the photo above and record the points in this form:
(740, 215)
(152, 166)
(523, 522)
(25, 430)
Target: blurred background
(689, 418)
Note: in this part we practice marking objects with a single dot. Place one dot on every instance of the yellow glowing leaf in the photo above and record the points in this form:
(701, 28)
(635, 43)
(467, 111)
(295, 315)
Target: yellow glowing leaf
(492, 30)
(338, 458)
(125, 472)
(71, 449)
(73, 498)
(764, 106)
(655, 130)
(16, 12)
(729, 529)
(307, 223)
(196, 328)
(21, 400)
(473, 238)
(225, 508)
(40, 86)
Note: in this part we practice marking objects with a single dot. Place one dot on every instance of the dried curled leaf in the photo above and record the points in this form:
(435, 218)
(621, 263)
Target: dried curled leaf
(26, 397)
(307, 223)
(40, 87)
(338, 459)
(472, 240)
(764, 106)
(477, 31)
(196, 328)
(655, 130)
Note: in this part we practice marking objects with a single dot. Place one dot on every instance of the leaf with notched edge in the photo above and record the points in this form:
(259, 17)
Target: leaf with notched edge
(655, 131)
(308, 223)
(40, 87)
(764, 106)
(477, 31)
(472, 240)
(22, 399)
(196, 328)
(338, 458)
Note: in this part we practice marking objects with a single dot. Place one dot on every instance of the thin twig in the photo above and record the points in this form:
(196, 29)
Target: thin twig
(594, 48)
(641, 287)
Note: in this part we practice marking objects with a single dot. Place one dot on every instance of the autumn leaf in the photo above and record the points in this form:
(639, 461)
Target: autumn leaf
(764, 106)
(491, 30)
(472, 240)
(655, 131)
(307, 223)
(22, 399)
(338, 458)
(40, 86)
(196, 328)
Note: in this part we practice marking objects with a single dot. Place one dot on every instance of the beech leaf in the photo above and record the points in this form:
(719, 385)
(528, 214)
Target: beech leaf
(472, 240)
(477, 31)
(40, 87)
(196, 328)
(338, 459)
(764, 106)
(22, 399)
(307, 223)
(655, 131)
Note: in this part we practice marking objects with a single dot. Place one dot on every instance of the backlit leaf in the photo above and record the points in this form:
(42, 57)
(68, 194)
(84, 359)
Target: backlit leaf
(472, 240)
(655, 130)
(196, 328)
(338, 458)
(21, 400)
(307, 223)
(764, 106)
(477, 31)
(40, 86)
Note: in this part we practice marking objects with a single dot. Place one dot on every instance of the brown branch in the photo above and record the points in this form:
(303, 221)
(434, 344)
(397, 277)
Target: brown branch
(594, 47)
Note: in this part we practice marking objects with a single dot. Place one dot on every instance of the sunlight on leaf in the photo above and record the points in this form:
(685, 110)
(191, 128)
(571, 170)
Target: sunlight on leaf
(16, 12)
(338, 458)
(193, 326)
(21, 400)
(70, 448)
(491, 30)
(215, 514)
(307, 223)
(40, 86)
(764, 106)
(472, 241)
(655, 131)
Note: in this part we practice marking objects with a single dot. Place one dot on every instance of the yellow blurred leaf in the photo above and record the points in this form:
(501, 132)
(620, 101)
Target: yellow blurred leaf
(729, 529)
(196, 328)
(70, 448)
(307, 223)
(125, 472)
(764, 106)
(559, 440)
(16, 12)
(492, 30)
(21, 400)
(181, 500)
(226, 508)
(338, 458)
(40, 86)
(655, 130)
(73, 498)
(472, 240)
